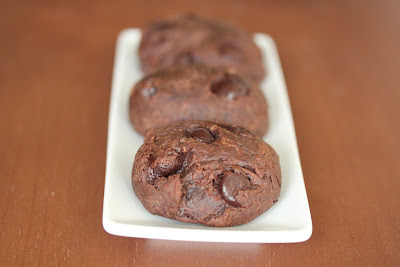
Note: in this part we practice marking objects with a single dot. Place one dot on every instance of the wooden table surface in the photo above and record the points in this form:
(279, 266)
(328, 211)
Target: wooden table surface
(341, 61)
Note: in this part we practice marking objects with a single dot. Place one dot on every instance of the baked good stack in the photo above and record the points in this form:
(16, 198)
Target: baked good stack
(203, 114)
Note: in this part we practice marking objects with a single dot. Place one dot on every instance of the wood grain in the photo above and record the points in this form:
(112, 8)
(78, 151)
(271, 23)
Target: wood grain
(341, 61)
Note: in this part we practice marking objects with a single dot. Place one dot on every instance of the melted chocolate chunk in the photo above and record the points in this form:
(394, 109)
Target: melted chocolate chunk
(149, 90)
(230, 86)
(230, 185)
(202, 134)
(165, 167)
(169, 167)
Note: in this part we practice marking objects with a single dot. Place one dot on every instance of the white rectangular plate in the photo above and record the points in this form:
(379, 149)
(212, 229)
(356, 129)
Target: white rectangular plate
(289, 220)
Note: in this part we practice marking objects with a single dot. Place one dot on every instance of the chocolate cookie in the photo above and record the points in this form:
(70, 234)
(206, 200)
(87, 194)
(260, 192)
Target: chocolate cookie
(207, 173)
(189, 39)
(196, 92)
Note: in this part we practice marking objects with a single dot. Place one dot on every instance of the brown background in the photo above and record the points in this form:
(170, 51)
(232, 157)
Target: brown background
(341, 60)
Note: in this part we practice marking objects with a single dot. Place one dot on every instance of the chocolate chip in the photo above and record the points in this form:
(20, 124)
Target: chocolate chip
(202, 134)
(230, 185)
(165, 166)
(149, 90)
(230, 86)
(169, 165)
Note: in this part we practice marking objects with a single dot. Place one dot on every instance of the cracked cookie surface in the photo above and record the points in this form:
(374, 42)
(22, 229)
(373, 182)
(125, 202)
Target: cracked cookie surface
(207, 173)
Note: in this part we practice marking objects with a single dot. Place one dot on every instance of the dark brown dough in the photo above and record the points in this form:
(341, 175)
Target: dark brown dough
(196, 92)
(190, 39)
(207, 173)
